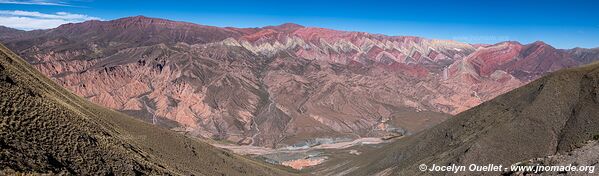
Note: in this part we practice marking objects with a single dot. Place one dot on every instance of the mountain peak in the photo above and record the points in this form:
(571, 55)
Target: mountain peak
(290, 25)
(138, 17)
(540, 43)
(287, 27)
(126, 21)
(511, 42)
(137, 30)
(143, 20)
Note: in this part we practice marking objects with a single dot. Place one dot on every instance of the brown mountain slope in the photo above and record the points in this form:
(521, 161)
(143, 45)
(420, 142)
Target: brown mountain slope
(279, 85)
(260, 93)
(584, 55)
(46, 129)
(554, 114)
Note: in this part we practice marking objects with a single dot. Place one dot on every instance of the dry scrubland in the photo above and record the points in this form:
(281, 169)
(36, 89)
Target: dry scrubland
(556, 114)
(46, 129)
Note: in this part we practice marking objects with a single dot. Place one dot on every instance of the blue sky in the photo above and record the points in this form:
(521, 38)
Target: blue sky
(563, 24)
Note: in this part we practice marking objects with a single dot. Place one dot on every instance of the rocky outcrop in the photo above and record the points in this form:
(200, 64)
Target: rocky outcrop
(552, 115)
(46, 130)
(278, 85)
(580, 161)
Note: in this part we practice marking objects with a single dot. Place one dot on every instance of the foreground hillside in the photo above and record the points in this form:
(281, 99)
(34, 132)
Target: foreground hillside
(277, 86)
(552, 115)
(46, 129)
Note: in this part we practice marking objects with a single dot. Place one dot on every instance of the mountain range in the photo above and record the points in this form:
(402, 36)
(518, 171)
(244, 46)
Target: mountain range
(280, 85)
(551, 118)
(47, 130)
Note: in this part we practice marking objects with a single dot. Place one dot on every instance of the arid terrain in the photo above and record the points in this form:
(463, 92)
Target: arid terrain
(554, 115)
(150, 96)
(45, 129)
(280, 86)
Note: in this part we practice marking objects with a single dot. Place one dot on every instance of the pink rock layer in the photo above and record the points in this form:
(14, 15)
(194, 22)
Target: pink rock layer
(280, 85)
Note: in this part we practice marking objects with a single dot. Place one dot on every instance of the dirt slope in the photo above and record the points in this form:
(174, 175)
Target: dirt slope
(554, 114)
(46, 129)
(280, 86)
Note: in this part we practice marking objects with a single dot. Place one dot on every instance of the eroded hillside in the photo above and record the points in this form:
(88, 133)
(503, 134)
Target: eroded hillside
(552, 115)
(47, 129)
(277, 86)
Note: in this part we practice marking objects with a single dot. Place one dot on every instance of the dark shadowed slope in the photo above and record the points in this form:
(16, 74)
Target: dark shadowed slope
(46, 129)
(279, 86)
(554, 114)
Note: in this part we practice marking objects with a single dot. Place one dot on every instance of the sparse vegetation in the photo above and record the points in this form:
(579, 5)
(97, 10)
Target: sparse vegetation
(46, 129)
(554, 114)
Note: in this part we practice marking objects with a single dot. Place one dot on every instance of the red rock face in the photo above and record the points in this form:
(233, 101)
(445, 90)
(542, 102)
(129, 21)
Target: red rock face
(539, 58)
(279, 85)
(488, 59)
(525, 62)
(433, 55)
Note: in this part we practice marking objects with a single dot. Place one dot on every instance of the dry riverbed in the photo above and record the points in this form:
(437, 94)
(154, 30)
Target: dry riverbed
(303, 156)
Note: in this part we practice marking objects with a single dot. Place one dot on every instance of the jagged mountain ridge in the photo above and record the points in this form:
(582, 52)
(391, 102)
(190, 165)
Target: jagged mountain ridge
(278, 84)
(552, 115)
